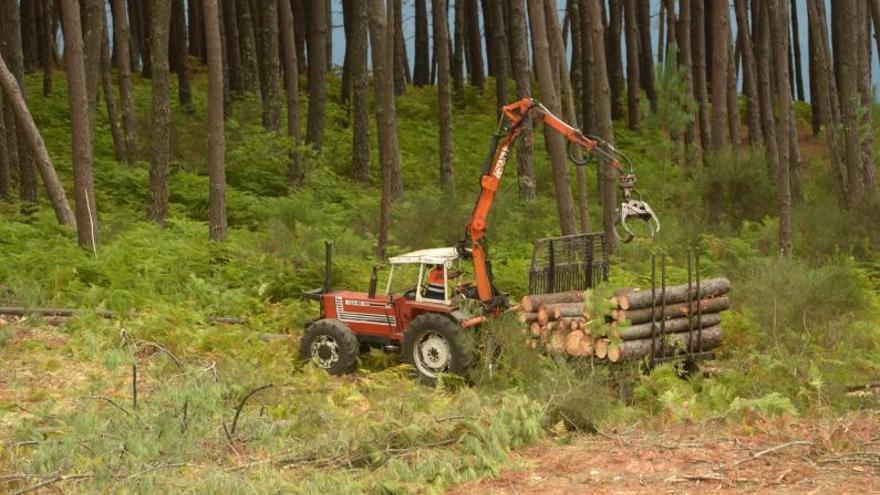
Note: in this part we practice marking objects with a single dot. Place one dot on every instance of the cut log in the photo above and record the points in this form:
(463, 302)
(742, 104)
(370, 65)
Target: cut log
(572, 323)
(556, 343)
(573, 342)
(543, 315)
(600, 348)
(635, 349)
(674, 325)
(562, 310)
(614, 351)
(535, 328)
(585, 346)
(531, 303)
(528, 317)
(638, 299)
(636, 316)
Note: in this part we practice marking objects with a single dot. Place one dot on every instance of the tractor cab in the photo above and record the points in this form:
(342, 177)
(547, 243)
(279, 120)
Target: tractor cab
(429, 287)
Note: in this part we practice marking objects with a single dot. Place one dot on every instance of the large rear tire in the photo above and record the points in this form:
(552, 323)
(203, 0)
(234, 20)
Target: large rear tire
(436, 344)
(331, 345)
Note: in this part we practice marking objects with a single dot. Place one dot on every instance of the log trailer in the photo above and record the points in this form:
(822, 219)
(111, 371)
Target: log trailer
(433, 334)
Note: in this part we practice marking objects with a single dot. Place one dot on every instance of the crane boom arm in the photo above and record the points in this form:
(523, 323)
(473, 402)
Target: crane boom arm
(513, 117)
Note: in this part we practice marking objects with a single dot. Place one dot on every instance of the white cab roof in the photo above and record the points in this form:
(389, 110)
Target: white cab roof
(434, 256)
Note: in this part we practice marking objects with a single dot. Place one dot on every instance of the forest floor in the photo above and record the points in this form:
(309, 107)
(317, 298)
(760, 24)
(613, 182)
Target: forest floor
(839, 456)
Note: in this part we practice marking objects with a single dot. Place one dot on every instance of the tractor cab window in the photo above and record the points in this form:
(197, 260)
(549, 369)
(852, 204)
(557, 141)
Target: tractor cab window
(400, 279)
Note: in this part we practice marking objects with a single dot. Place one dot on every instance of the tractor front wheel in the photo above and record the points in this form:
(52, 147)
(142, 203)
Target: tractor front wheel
(331, 345)
(435, 344)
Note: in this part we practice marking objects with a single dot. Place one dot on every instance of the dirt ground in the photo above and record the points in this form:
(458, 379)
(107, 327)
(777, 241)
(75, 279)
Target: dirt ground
(820, 457)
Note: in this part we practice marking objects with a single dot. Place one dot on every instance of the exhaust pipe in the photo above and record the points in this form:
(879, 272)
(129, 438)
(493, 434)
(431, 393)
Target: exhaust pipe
(328, 266)
(374, 279)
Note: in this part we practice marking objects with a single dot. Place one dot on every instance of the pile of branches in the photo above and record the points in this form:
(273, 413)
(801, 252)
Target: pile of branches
(631, 324)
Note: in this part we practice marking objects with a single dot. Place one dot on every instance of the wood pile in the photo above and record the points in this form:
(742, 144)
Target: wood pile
(568, 323)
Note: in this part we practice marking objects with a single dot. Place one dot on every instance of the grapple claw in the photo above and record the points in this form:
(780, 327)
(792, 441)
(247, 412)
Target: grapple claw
(634, 208)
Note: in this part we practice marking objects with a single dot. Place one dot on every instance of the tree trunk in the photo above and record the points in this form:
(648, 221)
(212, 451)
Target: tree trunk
(81, 132)
(614, 58)
(233, 47)
(698, 46)
(444, 92)
(300, 31)
(178, 25)
(825, 94)
(474, 44)
(122, 38)
(765, 95)
(29, 35)
(458, 51)
(140, 50)
(382, 47)
(499, 46)
(5, 169)
(345, 85)
(109, 98)
(531, 302)
(588, 70)
(18, 105)
(677, 310)
(46, 40)
(575, 72)
(92, 13)
(646, 58)
(778, 18)
(867, 93)
(270, 67)
(161, 139)
(295, 171)
(317, 74)
(720, 28)
(710, 338)
(733, 118)
(750, 84)
(401, 65)
(604, 128)
(216, 137)
(247, 46)
(522, 75)
(638, 299)
(196, 18)
(633, 79)
(489, 36)
(796, 45)
(360, 157)
(685, 61)
(847, 64)
(421, 66)
(875, 20)
(554, 141)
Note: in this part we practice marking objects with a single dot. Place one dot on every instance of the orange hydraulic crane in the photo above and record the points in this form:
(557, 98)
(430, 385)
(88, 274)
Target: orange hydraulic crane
(511, 123)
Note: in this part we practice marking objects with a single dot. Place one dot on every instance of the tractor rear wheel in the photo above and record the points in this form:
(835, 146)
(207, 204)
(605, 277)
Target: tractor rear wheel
(435, 344)
(331, 345)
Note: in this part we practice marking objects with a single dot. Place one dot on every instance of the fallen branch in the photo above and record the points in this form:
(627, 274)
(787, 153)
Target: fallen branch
(66, 312)
(772, 450)
(241, 405)
(52, 481)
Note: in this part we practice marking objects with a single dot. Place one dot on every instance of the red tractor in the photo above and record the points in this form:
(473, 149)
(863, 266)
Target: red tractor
(424, 323)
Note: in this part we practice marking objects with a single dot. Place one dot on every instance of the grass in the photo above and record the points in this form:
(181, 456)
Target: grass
(798, 332)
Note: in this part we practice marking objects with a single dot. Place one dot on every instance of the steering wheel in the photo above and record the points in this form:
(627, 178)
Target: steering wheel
(410, 293)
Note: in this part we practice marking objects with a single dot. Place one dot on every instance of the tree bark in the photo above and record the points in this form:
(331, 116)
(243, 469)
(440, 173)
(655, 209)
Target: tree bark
(796, 45)
(444, 93)
(522, 75)
(421, 65)
(733, 118)
(29, 48)
(178, 25)
(301, 32)
(122, 39)
(614, 58)
(46, 40)
(489, 36)
(765, 94)
(402, 75)
(17, 104)
(554, 141)
(685, 61)
(81, 130)
(270, 66)
(247, 46)
(634, 349)
(216, 136)
(847, 65)
(720, 28)
(866, 89)
(458, 51)
(588, 70)
(382, 47)
(604, 128)
(675, 325)
(92, 13)
(698, 46)
(632, 299)
(233, 47)
(474, 44)
(317, 83)
(295, 171)
(360, 157)
(633, 76)
(161, 138)
(499, 46)
(778, 18)
(750, 84)
(646, 58)
(109, 99)
(825, 94)
(677, 310)
(196, 29)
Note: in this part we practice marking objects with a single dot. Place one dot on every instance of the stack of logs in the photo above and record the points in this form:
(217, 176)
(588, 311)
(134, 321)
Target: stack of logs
(623, 328)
